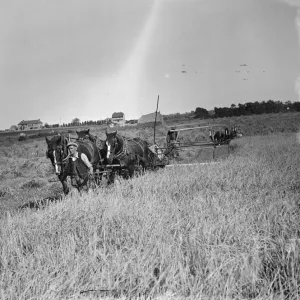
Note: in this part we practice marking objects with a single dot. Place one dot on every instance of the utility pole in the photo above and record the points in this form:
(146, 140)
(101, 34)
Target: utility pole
(156, 117)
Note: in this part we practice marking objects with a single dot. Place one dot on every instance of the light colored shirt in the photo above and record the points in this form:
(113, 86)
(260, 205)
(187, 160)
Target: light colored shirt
(83, 158)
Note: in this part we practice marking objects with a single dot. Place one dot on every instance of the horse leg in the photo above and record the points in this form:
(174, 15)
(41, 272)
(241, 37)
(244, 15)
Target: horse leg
(63, 179)
(65, 186)
(80, 190)
(111, 177)
(143, 165)
(131, 170)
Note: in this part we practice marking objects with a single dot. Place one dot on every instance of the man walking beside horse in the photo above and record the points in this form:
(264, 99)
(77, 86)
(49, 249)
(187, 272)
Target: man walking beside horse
(78, 161)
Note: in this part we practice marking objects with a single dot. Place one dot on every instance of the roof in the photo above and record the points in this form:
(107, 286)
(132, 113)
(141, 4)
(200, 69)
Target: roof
(117, 115)
(150, 118)
(30, 122)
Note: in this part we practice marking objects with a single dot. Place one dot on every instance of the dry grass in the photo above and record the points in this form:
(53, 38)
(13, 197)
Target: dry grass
(24, 162)
(256, 124)
(225, 231)
(25, 173)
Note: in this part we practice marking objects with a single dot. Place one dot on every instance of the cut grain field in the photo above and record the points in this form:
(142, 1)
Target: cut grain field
(27, 175)
(222, 231)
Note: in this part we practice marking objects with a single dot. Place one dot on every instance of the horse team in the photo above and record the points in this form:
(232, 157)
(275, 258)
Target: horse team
(115, 155)
(117, 152)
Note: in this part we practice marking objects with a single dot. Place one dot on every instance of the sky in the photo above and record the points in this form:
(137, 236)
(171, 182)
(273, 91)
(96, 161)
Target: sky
(66, 59)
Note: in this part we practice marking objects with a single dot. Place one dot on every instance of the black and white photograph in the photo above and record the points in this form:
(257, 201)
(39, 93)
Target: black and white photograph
(150, 149)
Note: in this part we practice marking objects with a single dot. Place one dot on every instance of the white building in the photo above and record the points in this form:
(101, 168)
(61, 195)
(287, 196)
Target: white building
(118, 118)
(30, 124)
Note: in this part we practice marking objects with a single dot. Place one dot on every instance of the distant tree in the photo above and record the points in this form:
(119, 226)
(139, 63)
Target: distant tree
(296, 106)
(76, 121)
(47, 125)
(201, 113)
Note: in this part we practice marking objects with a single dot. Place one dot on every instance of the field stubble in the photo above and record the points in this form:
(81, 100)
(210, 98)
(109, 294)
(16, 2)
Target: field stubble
(226, 231)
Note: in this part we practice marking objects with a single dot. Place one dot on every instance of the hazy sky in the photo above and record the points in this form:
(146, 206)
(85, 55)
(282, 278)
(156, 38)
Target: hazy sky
(62, 59)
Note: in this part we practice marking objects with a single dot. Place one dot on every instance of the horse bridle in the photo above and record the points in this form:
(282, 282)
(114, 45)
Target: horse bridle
(113, 147)
(86, 137)
(122, 151)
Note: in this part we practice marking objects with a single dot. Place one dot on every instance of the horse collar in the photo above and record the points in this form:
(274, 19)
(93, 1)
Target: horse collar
(123, 150)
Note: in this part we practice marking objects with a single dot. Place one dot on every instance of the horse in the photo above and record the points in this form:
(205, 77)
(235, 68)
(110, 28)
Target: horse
(64, 165)
(219, 137)
(85, 135)
(101, 145)
(128, 152)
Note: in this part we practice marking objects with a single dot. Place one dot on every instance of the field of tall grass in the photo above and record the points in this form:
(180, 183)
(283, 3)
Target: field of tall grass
(27, 175)
(221, 231)
(251, 125)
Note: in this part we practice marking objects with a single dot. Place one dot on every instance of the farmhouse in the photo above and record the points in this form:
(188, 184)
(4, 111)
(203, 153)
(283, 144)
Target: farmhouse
(118, 118)
(150, 118)
(30, 124)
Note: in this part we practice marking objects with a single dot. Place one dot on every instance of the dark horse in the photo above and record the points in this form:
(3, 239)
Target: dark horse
(101, 145)
(129, 153)
(85, 135)
(65, 166)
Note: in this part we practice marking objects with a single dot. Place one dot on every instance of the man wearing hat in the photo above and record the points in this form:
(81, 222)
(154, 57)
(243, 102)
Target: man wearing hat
(172, 142)
(74, 155)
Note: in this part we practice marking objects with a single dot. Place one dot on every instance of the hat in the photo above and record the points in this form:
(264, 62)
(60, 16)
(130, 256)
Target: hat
(72, 144)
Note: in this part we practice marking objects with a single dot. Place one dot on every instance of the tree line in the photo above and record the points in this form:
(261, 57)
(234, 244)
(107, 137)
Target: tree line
(77, 122)
(249, 108)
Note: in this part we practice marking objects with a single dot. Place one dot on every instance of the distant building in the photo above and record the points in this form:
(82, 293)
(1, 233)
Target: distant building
(30, 124)
(13, 127)
(150, 118)
(118, 118)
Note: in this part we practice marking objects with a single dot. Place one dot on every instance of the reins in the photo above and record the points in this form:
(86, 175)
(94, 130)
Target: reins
(123, 150)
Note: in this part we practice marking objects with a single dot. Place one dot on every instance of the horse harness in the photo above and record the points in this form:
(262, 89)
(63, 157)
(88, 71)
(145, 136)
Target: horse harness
(124, 151)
